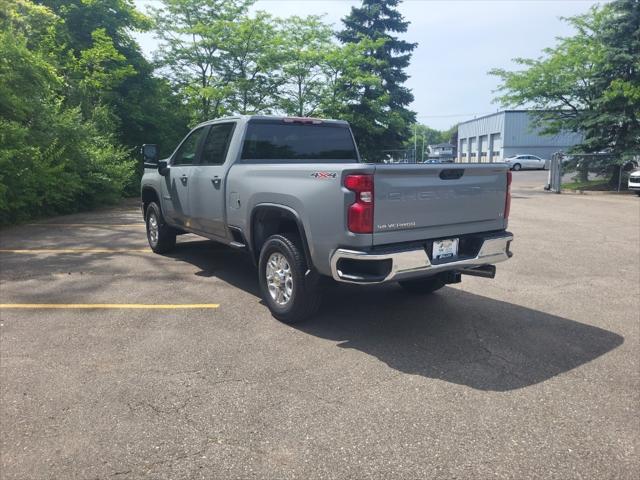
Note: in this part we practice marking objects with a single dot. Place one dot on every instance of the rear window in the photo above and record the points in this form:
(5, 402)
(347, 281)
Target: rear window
(278, 142)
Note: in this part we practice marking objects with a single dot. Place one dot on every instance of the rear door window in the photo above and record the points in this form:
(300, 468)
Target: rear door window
(280, 142)
(214, 150)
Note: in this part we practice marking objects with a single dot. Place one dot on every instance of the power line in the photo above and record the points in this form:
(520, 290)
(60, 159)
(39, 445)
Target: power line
(451, 115)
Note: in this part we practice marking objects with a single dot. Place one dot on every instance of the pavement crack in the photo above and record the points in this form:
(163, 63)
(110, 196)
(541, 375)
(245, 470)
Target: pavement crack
(123, 472)
(505, 363)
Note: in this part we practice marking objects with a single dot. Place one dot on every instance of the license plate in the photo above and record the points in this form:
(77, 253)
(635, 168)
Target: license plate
(445, 248)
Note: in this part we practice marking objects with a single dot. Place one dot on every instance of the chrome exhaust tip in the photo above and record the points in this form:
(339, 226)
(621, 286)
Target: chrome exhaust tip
(486, 271)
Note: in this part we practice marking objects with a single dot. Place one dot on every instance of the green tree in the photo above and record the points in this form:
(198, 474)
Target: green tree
(249, 59)
(194, 34)
(307, 42)
(431, 136)
(451, 135)
(53, 157)
(82, 17)
(346, 78)
(104, 64)
(381, 114)
(100, 69)
(588, 83)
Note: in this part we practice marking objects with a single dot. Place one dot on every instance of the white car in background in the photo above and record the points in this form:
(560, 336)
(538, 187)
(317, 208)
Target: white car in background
(634, 182)
(526, 162)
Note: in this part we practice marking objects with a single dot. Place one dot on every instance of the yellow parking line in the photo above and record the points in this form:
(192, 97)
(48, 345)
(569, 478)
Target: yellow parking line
(139, 306)
(38, 251)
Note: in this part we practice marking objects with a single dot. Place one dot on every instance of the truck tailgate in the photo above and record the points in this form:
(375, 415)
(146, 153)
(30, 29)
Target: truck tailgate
(418, 202)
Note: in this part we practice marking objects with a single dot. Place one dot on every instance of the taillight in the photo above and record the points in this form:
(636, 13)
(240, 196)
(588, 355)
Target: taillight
(507, 201)
(360, 214)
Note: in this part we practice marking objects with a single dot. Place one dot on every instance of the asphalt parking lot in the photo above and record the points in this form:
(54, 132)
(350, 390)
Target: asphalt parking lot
(532, 375)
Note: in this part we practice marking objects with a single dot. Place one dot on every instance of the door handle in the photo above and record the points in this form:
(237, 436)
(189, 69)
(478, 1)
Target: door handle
(451, 174)
(184, 179)
(216, 181)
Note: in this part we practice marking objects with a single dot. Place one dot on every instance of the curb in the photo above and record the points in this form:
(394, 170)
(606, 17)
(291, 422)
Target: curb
(596, 192)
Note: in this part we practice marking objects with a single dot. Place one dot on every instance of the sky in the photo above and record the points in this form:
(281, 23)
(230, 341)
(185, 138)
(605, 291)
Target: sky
(459, 41)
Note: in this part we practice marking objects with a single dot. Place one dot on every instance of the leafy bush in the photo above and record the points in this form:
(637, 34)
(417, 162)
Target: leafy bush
(52, 159)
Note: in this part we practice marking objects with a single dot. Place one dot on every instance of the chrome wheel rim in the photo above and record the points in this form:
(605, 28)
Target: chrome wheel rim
(152, 225)
(279, 279)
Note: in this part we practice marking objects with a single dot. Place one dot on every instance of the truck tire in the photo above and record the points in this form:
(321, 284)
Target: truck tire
(281, 273)
(422, 285)
(161, 237)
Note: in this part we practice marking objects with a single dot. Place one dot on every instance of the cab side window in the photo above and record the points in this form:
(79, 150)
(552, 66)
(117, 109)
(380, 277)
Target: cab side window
(186, 154)
(214, 151)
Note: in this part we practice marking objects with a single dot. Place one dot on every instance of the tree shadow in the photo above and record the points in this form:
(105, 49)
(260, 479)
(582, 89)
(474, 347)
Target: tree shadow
(452, 335)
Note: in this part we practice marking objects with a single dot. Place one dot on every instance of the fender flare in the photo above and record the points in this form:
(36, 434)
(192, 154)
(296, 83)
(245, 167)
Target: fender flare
(301, 230)
(149, 188)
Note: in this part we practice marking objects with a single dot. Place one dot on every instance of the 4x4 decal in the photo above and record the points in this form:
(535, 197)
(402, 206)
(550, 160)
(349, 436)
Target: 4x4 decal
(324, 175)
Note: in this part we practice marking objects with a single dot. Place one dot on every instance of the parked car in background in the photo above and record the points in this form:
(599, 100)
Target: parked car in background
(634, 182)
(523, 162)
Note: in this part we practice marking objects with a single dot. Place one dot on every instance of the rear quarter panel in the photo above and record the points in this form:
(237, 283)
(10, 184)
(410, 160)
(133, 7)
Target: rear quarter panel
(313, 191)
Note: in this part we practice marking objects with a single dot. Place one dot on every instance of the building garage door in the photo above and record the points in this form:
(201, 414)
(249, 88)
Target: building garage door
(495, 147)
(483, 145)
(463, 150)
(473, 152)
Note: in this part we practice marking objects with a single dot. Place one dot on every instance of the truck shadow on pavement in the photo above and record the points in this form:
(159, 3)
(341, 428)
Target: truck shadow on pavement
(451, 335)
(214, 260)
(458, 336)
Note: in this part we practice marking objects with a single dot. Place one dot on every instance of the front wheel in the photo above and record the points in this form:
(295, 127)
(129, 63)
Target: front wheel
(161, 237)
(282, 284)
(422, 286)
(517, 167)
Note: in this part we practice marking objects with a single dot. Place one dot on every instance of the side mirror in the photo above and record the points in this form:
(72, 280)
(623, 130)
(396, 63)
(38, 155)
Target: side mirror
(149, 154)
(163, 167)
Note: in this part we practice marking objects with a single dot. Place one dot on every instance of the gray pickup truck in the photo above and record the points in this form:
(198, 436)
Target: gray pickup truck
(294, 194)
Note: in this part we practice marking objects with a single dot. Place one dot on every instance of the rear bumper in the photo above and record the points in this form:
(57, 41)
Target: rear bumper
(399, 263)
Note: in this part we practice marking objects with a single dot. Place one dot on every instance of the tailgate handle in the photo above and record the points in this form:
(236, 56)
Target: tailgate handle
(451, 173)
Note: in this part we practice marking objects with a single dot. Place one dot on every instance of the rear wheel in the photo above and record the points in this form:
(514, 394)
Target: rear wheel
(517, 167)
(422, 285)
(281, 274)
(161, 237)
